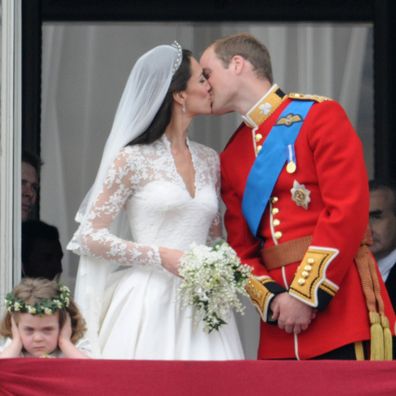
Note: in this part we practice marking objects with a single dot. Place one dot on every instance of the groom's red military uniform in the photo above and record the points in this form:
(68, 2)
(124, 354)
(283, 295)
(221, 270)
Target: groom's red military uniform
(315, 221)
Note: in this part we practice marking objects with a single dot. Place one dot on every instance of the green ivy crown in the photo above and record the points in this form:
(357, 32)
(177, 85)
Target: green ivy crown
(44, 307)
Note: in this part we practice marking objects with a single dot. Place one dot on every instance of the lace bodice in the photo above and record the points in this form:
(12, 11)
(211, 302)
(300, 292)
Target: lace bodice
(143, 184)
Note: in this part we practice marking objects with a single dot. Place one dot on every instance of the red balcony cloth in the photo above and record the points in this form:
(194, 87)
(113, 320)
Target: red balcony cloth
(34, 377)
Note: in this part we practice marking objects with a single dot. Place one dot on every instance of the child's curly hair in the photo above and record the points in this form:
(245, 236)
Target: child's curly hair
(35, 290)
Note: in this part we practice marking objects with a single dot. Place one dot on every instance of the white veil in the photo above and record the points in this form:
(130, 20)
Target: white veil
(143, 95)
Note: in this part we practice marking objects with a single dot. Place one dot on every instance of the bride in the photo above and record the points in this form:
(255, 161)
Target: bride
(162, 189)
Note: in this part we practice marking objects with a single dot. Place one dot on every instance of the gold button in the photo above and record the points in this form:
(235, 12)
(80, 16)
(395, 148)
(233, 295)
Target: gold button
(274, 199)
(308, 268)
(310, 260)
(276, 222)
(278, 235)
(301, 281)
(259, 136)
(258, 148)
(275, 211)
(305, 274)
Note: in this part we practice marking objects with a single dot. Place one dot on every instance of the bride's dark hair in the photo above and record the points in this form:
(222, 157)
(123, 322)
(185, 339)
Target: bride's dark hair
(161, 120)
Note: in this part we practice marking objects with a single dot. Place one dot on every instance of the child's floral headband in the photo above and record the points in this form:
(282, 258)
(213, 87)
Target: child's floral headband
(44, 307)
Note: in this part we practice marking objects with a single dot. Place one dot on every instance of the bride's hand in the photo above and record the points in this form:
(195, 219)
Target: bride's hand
(170, 259)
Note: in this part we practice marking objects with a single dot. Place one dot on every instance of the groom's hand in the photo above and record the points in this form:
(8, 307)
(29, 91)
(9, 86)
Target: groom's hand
(292, 315)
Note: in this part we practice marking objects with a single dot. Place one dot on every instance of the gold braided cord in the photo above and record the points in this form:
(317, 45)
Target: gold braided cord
(380, 334)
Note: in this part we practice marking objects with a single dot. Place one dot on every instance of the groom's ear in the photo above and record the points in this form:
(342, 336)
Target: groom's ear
(179, 97)
(237, 63)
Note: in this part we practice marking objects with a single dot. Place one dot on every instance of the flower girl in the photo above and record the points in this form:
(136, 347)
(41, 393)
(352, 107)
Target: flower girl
(42, 321)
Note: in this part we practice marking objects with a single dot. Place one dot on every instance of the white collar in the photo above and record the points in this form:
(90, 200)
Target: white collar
(385, 264)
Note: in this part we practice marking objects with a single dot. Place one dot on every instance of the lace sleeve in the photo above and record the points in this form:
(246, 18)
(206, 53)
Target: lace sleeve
(94, 237)
(216, 229)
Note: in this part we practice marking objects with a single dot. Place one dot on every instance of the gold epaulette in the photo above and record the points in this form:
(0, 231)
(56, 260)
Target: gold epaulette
(300, 96)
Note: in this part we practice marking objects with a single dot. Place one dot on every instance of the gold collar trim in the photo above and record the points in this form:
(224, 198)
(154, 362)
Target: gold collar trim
(264, 107)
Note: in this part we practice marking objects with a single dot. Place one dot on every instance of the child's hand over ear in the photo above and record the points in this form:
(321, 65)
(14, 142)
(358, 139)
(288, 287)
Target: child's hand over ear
(15, 347)
(66, 331)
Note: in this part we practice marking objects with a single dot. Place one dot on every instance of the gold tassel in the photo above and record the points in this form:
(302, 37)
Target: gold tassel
(377, 337)
(381, 335)
(388, 340)
(359, 350)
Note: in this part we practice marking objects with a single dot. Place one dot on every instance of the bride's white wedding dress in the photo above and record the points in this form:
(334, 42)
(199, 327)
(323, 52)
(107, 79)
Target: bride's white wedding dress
(142, 317)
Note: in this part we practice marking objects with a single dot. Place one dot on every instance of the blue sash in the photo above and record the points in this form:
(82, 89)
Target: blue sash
(270, 161)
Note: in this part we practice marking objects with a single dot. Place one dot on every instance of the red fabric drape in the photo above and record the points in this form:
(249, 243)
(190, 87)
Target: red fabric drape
(32, 377)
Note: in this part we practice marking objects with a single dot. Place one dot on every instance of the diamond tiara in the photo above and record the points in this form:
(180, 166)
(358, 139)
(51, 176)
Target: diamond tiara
(179, 57)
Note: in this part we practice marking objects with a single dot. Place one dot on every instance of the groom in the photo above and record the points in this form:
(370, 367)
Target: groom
(295, 188)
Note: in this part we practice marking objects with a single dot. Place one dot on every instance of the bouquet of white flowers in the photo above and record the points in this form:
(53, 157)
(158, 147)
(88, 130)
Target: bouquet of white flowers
(212, 279)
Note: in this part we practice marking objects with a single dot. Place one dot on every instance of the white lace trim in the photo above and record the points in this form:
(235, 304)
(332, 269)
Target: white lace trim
(134, 168)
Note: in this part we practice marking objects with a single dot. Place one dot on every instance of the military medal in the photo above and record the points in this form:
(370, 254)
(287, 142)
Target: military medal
(291, 163)
(291, 167)
(300, 195)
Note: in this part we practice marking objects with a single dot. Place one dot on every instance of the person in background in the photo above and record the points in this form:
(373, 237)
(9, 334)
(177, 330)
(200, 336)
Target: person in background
(383, 230)
(31, 165)
(41, 250)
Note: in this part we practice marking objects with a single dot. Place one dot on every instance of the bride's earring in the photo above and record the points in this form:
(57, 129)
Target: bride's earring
(184, 108)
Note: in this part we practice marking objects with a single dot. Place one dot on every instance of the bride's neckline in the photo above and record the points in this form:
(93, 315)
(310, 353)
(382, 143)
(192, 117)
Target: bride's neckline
(190, 189)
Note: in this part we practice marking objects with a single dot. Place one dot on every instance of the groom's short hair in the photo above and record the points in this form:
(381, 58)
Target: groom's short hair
(247, 46)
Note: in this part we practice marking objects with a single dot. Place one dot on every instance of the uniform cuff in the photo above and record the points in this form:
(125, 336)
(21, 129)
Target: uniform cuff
(262, 291)
(310, 284)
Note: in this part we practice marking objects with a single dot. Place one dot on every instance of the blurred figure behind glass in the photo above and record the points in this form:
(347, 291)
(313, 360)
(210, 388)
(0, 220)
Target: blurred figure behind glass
(383, 229)
(41, 250)
(31, 165)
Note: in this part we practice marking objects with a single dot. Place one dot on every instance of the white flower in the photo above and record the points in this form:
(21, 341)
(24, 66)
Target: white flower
(212, 279)
(58, 304)
(31, 309)
(48, 311)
